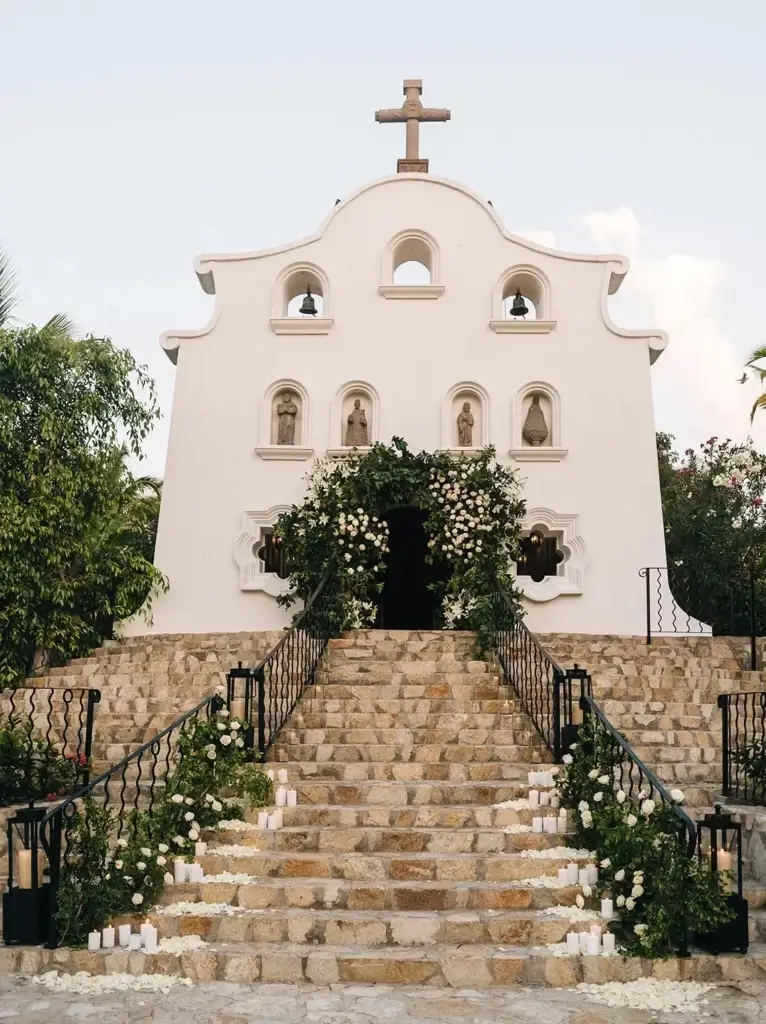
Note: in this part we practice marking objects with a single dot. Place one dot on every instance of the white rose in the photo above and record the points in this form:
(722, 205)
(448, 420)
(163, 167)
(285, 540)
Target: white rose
(177, 798)
(168, 878)
(128, 879)
(163, 848)
(189, 816)
(240, 742)
(620, 901)
(217, 805)
(122, 843)
(161, 861)
(146, 851)
(619, 875)
(630, 903)
(179, 840)
(225, 740)
(223, 713)
(188, 801)
(605, 863)
(598, 797)
(677, 796)
(603, 779)
(222, 726)
(647, 807)
(621, 796)
(208, 798)
(567, 758)
(631, 820)
(579, 901)
(573, 746)
(587, 891)
(211, 755)
(141, 865)
(118, 865)
(636, 891)
(639, 929)
(236, 726)
(137, 899)
(593, 773)
(583, 806)
(194, 835)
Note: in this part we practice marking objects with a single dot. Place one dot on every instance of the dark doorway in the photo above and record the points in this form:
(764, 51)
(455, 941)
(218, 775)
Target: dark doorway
(406, 601)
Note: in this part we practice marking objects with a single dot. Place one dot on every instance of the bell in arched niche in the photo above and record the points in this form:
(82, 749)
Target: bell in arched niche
(535, 430)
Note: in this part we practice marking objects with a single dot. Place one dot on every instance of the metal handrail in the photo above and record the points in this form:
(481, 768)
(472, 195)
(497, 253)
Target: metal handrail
(743, 740)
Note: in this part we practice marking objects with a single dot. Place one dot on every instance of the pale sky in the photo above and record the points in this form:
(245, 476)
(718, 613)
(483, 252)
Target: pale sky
(137, 136)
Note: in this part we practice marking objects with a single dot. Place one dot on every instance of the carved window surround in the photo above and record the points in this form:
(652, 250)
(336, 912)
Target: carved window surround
(292, 281)
(522, 326)
(571, 575)
(251, 570)
(411, 291)
(301, 325)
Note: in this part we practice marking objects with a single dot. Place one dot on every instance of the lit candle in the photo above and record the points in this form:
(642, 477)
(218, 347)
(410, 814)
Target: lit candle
(143, 931)
(263, 819)
(609, 946)
(537, 824)
(596, 929)
(607, 909)
(724, 860)
(282, 775)
(573, 942)
(150, 939)
(534, 798)
(135, 942)
(179, 871)
(592, 874)
(281, 796)
(94, 941)
(24, 863)
(572, 872)
(545, 798)
(550, 825)
(124, 934)
(200, 849)
(107, 938)
(583, 937)
(594, 944)
(292, 798)
(563, 876)
(582, 877)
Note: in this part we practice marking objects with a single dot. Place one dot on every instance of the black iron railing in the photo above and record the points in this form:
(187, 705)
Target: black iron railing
(543, 687)
(636, 779)
(734, 610)
(46, 738)
(743, 746)
(266, 695)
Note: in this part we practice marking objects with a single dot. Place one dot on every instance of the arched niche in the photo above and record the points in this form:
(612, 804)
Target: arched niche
(290, 291)
(345, 405)
(285, 393)
(411, 267)
(253, 540)
(462, 394)
(566, 551)
(526, 424)
(533, 286)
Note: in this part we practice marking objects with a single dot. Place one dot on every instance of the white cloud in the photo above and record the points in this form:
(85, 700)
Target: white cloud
(546, 238)
(614, 230)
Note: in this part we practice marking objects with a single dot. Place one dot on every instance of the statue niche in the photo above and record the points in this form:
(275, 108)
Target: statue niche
(535, 431)
(465, 425)
(287, 413)
(357, 435)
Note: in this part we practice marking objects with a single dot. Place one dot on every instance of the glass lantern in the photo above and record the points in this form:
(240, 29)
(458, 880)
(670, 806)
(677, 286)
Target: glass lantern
(719, 847)
(26, 902)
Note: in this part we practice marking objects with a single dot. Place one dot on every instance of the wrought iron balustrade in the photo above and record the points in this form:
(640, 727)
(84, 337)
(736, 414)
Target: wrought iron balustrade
(46, 739)
(743, 746)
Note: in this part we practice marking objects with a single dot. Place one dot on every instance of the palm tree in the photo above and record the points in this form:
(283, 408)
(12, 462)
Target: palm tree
(59, 325)
(751, 364)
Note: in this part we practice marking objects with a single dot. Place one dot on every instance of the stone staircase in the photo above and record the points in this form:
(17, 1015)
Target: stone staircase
(396, 866)
(662, 698)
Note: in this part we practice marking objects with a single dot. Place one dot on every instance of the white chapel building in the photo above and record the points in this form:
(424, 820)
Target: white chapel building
(265, 388)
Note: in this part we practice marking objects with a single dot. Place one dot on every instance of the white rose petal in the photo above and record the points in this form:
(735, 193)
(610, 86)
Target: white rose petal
(579, 901)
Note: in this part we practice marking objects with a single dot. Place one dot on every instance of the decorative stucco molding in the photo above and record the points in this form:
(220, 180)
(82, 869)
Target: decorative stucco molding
(411, 291)
(251, 569)
(522, 326)
(571, 575)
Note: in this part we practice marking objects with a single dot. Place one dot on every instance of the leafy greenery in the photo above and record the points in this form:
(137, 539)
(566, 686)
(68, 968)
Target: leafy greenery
(751, 759)
(662, 896)
(473, 508)
(255, 786)
(715, 531)
(76, 528)
(33, 769)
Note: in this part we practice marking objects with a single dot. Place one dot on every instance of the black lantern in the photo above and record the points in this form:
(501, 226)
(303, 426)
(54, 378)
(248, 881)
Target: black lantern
(26, 903)
(519, 306)
(308, 308)
(719, 840)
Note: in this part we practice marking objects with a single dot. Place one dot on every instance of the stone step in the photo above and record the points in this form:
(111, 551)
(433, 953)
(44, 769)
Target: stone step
(409, 671)
(436, 966)
(380, 721)
(376, 793)
(384, 894)
(431, 707)
(386, 839)
(444, 753)
(455, 816)
(466, 867)
(371, 929)
(466, 735)
(481, 691)
(412, 771)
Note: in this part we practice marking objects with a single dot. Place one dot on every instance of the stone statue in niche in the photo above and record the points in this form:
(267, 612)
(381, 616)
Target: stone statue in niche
(356, 429)
(535, 430)
(465, 422)
(287, 411)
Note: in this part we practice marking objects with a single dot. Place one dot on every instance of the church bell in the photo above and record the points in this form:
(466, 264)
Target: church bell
(519, 307)
(309, 306)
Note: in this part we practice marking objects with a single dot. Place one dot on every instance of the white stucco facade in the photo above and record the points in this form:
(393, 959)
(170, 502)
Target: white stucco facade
(413, 354)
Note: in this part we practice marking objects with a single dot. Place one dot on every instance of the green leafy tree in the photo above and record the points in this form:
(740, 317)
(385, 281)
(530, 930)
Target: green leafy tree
(76, 529)
(715, 530)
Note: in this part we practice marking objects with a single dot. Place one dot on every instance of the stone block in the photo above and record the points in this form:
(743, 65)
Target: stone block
(241, 968)
(415, 931)
(462, 970)
(387, 971)
(322, 968)
(281, 967)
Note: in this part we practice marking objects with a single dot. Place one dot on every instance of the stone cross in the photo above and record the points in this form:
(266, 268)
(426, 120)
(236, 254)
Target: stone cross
(413, 112)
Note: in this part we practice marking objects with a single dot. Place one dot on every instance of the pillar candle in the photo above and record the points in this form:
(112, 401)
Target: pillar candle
(124, 934)
(281, 796)
(534, 798)
(537, 824)
(582, 877)
(563, 876)
(531, 777)
(94, 941)
(263, 819)
(271, 824)
(594, 944)
(150, 939)
(107, 938)
(24, 866)
(282, 775)
(197, 873)
(572, 872)
(607, 909)
(592, 874)
(724, 861)
(200, 849)
(545, 799)
(292, 798)
(270, 774)
(189, 872)
(595, 929)
(609, 944)
(573, 942)
(179, 871)
(583, 937)
(278, 816)
(561, 824)
(554, 800)
(135, 942)
(550, 825)
(143, 930)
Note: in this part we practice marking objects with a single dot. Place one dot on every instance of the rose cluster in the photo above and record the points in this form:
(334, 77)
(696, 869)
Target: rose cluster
(467, 514)
(362, 539)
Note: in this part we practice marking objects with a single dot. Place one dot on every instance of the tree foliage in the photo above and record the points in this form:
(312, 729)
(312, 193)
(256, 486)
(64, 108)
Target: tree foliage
(76, 529)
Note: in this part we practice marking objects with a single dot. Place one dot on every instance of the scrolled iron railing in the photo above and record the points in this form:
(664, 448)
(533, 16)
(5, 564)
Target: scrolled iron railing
(46, 742)
(743, 746)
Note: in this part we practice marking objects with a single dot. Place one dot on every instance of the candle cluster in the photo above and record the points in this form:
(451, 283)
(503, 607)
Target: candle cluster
(595, 942)
(145, 938)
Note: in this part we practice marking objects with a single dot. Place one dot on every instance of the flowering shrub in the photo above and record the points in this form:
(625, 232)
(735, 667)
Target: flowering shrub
(473, 508)
(105, 876)
(662, 895)
(751, 759)
(715, 530)
(33, 769)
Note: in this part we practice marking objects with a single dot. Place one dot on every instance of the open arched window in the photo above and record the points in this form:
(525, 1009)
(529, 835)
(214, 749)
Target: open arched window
(522, 302)
(301, 301)
(411, 267)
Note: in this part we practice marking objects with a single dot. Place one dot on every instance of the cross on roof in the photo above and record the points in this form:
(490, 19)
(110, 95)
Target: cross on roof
(412, 112)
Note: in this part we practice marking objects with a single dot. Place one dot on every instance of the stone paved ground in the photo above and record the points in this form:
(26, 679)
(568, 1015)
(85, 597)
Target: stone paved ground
(22, 1002)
